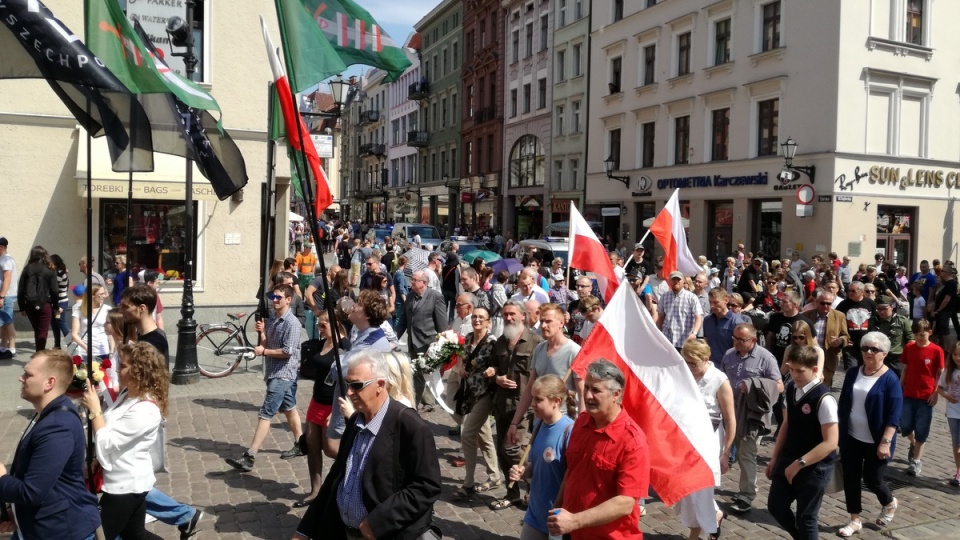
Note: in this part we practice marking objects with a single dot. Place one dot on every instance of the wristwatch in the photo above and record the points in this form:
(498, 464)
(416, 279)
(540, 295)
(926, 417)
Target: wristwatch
(886, 440)
(802, 463)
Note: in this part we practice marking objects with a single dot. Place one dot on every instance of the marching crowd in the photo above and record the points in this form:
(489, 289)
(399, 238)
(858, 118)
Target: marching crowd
(763, 340)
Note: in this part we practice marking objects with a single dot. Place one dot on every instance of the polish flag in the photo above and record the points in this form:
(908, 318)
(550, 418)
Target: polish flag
(588, 254)
(660, 395)
(667, 228)
(298, 136)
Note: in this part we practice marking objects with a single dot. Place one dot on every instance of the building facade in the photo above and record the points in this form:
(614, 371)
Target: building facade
(701, 98)
(571, 73)
(44, 153)
(480, 186)
(528, 122)
(439, 96)
(403, 159)
(372, 148)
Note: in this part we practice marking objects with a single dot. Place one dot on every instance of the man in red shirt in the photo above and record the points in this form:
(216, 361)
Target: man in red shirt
(608, 465)
(922, 362)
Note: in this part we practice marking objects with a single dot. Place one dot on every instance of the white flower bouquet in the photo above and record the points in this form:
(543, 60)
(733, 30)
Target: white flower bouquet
(442, 353)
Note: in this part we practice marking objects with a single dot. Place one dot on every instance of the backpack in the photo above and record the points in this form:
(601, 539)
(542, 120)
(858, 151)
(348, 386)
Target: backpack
(36, 294)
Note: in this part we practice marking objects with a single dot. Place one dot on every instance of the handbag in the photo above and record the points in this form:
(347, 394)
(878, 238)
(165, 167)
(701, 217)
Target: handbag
(835, 484)
(308, 368)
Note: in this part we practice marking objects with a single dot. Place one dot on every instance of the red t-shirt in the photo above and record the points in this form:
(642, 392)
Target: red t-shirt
(922, 364)
(602, 464)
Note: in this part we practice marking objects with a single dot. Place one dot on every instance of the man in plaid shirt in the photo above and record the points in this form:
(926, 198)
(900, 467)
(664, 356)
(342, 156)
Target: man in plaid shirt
(680, 312)
(280, 347)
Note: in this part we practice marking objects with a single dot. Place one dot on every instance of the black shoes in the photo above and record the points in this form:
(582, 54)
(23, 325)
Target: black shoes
(189, 530)
(292, 453)
(243, 463)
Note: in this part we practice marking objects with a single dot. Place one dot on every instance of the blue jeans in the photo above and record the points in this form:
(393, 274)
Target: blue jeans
(311, 325)
(166, 510)
(16, 536)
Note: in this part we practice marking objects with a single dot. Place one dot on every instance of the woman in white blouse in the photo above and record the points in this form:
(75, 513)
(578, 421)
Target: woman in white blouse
(124, 435)
(93, 302)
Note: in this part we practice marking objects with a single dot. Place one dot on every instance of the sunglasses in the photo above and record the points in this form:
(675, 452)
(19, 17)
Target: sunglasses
(799, 337)
(357, 386)
(826, 303)
(871, 350)
(731, 306)
(275, 297)
(871, 291)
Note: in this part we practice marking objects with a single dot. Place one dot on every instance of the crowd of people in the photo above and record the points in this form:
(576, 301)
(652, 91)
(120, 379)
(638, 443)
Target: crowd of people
(763, 340)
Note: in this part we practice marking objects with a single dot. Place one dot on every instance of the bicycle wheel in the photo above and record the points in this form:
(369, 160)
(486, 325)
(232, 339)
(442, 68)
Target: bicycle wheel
(213, 352)
(250, 330)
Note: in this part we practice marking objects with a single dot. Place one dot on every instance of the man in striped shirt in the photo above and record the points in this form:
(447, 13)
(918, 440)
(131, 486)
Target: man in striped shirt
(280, 347)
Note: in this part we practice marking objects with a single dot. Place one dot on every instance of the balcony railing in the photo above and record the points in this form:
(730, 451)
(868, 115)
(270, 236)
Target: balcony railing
(371, 116)
(418, 90)
(418, 139)
(485, 114)
(372, 149)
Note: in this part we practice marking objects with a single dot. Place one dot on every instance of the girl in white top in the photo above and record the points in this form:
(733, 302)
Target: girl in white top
(949, 388)
(699, 510)
(123, 436)
(93, 301)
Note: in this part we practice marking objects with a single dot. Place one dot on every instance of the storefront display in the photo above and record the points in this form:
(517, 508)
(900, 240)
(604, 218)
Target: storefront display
(156, 235)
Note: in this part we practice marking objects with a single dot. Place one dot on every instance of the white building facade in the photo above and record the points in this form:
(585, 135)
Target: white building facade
(702, 97)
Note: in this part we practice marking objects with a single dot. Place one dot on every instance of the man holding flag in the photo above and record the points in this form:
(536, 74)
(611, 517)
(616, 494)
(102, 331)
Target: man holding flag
(608, 465)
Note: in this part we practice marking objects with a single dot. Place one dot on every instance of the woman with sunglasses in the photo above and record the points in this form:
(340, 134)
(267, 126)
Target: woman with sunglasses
(768, 300)
(800, 336)
(474, 405)
(870, 406)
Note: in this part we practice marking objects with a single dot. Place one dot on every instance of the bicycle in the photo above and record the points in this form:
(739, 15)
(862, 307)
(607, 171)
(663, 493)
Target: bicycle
(221, 346)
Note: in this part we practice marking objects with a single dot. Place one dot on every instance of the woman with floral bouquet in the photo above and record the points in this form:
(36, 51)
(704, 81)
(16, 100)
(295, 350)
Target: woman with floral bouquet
(474, 404)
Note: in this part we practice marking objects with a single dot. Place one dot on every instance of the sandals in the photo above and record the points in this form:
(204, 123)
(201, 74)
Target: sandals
(464, 493)
(501, 504)
(716, 535)
(302, 503)
(488, 485)
(886, 514)
(850, 529)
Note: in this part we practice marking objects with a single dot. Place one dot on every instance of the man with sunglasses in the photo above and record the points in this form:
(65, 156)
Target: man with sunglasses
(896, 327)
(832, 335)
(756, 381)
(280, 347)
(387, 478)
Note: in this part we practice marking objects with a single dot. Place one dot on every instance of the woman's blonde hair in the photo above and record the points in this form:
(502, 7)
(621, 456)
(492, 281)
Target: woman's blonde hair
(400, 376)
(148, 368)
(86, 304)
(800, 326)
(551, 386)
(696, 349)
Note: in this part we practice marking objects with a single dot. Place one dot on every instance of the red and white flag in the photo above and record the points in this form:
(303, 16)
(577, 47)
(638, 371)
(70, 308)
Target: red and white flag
(667, 228)
(298, 136)
(660, 395)
(588, 254)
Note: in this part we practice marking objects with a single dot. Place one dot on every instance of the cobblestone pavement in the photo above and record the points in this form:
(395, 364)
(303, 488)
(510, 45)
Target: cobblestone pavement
(215, 419)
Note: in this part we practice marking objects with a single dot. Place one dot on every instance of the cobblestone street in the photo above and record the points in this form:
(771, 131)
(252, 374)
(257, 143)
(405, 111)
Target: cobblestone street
(215, 419)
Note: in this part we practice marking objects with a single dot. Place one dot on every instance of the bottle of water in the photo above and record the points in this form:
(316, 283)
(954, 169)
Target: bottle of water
(555, 536)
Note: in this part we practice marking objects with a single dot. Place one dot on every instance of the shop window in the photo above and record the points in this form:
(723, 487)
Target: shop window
(768, 119)
(157, 235)
(683, 54)
(767, 227)
(720, 230)
(720, 136)
(770, 27)
(526, 163)
(895, 234)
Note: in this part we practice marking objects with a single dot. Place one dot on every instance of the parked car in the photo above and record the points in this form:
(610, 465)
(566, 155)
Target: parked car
(429, 235)
(550, 246)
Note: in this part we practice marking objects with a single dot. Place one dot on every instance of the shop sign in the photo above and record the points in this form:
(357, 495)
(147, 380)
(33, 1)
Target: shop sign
(323, 144)
(610, 211)
(560, 206)
(116, 189)
(914, 178)
(717, 180)
(466, 197)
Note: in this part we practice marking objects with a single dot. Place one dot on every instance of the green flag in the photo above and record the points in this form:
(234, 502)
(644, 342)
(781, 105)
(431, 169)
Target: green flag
(354, 34)
(308, 55)
(111, 37)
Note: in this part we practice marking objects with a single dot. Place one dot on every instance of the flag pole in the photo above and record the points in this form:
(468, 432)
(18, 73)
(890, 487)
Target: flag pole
(268, 212)
(89, 293)
(129, 236)
(533, 435)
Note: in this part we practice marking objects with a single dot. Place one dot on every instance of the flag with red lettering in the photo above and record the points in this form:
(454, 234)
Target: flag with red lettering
(668, 229)
(588, 254)
(298, 137)
(660, 395)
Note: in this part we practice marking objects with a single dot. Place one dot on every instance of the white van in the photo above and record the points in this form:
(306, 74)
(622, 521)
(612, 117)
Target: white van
(429, 235)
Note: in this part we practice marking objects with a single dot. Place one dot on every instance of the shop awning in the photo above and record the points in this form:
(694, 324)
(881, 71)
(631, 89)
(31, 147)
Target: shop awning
(166, 182)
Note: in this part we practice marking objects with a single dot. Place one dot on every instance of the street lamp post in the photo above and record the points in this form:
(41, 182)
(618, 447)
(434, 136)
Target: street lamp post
(610, 165)
(789, 148)
(186, 370)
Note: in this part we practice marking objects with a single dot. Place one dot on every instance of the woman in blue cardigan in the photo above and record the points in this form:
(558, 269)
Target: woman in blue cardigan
(869, 408)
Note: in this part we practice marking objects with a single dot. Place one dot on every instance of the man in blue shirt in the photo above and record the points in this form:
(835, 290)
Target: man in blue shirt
(718, 326)
(926, 277)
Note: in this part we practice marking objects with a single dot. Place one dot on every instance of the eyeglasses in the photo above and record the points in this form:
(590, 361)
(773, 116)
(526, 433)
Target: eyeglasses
(871, 350)
(731, 306)
(481, 319)
(357, 386)
(275, 297)
(870, 291)
(581, 286)
(743, 340)
(826, 303)
(799, 337)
